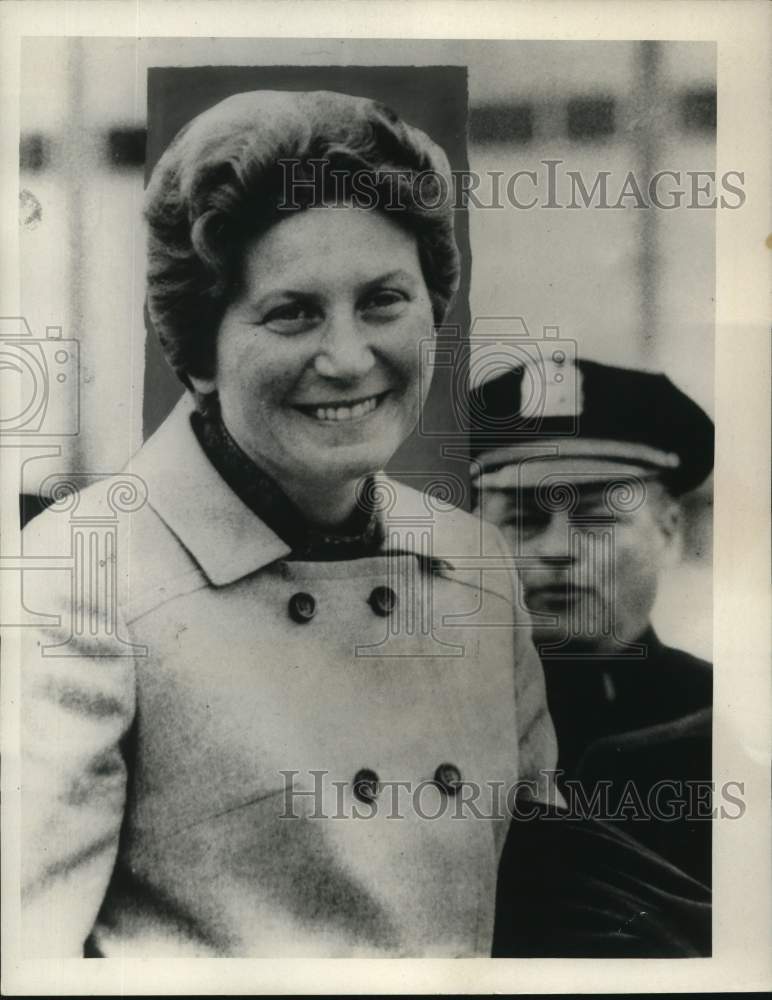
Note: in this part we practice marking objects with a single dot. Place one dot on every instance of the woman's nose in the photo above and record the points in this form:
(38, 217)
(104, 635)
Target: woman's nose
(344, 352)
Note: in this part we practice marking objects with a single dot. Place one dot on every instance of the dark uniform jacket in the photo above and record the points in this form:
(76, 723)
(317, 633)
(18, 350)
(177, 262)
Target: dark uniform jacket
(611, 876)
(634, 738)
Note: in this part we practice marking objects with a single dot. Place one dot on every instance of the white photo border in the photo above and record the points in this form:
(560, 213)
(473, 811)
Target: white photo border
(742, 876)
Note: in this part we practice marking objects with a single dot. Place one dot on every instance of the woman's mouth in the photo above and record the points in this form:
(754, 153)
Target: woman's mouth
(334, 412)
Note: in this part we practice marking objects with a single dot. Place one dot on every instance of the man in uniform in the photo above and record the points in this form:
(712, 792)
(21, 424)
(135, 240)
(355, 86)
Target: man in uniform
(586, 483)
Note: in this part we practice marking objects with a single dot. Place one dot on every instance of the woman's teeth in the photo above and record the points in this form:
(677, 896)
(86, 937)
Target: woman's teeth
(346, 412)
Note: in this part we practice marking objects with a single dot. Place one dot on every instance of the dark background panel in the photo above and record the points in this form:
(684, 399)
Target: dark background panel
(433, 98)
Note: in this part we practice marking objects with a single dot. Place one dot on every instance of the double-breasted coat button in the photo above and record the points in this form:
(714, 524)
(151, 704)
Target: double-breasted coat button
(383, 600)
(448, 777)
(302, 608)
(366, 785)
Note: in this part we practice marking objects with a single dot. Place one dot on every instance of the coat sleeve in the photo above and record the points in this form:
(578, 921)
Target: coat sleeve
(75, 714)
(536, 733)
(591, 891)
(538, 749)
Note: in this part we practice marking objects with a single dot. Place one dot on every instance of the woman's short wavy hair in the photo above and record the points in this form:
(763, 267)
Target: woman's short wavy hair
(224, 180)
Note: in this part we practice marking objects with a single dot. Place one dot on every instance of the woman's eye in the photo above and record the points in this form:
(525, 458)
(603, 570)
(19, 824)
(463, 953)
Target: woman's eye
(386, 302)
(290, 318)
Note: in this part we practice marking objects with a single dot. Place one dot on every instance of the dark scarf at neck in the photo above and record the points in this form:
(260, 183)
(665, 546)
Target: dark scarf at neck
(360, 535)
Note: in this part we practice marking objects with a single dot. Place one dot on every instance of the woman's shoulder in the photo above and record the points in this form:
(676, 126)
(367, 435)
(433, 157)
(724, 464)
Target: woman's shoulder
(454, 531)
(108, 528)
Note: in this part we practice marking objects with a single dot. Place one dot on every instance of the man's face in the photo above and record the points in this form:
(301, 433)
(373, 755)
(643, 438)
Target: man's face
(592, 555)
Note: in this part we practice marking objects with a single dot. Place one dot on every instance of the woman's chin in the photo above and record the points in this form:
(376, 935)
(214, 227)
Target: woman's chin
(346, 463)
(347, 450)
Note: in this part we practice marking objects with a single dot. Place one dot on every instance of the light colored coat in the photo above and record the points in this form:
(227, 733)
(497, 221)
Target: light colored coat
(163, 791)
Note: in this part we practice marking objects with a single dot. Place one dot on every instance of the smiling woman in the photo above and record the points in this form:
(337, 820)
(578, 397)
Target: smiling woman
(310, 750)
(317, 359)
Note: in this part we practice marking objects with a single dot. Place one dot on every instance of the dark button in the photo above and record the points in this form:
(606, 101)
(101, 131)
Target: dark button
(302, 608)
(383, 600)
(366, 785)
(448, 777)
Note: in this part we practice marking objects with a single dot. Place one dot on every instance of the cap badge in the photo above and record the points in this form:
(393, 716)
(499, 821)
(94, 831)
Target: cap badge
(552, 387)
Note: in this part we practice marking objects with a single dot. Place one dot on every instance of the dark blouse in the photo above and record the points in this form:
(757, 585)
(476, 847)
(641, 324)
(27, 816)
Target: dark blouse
(360, 535)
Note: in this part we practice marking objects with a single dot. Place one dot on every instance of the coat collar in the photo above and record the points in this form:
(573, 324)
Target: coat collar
(221, 533)
(227, 539)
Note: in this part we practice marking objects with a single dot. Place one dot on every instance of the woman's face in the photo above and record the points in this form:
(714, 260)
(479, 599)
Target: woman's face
(318, 358)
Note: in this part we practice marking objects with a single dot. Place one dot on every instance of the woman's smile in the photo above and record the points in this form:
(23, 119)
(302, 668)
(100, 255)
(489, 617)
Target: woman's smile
(342, 411)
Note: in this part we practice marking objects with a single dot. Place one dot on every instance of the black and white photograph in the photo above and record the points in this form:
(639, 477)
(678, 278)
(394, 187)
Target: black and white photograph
(384, 524)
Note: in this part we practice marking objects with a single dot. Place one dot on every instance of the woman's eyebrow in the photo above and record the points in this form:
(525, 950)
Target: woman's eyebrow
(396, 275)
(281, 292)
(277, 296)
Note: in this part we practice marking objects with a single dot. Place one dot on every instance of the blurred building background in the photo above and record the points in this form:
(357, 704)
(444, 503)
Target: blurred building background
(630, 286)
